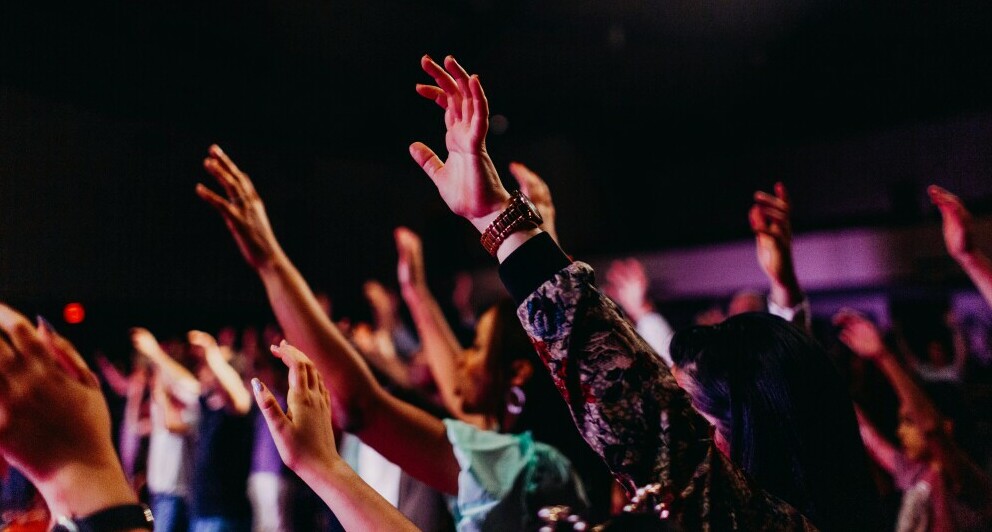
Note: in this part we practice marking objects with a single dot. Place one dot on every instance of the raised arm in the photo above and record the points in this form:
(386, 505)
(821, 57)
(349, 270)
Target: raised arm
(398, 431)
(437, 341)
(960, 240)
(540, 193)
(232, 387)
(179, 380)
(623, 398)
(54, 423)
(884, 453)
(863, 338)
(305, 440)
(770, 222)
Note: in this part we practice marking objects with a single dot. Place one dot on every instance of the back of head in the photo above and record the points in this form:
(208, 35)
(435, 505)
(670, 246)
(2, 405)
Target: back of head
(779, 401)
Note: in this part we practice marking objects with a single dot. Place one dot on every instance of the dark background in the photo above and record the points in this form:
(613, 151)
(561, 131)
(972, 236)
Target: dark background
(653, 122)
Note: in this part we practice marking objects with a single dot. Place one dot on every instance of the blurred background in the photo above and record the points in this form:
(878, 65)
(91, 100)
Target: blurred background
(653, 123)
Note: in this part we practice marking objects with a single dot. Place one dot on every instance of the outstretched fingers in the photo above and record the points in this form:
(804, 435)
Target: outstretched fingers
(445, 83)
(23, 337)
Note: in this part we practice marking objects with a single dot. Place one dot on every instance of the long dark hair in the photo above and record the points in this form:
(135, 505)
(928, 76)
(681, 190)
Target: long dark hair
(780, 402)
(544, 413)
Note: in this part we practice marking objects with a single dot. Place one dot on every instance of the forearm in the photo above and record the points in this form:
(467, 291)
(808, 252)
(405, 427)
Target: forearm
(303, 321)
(437, 341)
(231, 383)
(910, 395)
(784, 290)
(354, 502)
(979, 269)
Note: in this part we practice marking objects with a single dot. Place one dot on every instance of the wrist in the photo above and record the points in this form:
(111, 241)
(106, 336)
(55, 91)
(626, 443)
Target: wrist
(273, 262)
(81, 489)
(482, 222)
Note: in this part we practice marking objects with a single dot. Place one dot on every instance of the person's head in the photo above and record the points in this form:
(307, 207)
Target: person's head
(498, 366)
(783, 413)
(502, 377)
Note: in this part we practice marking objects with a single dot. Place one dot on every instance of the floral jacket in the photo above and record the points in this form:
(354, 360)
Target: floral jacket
(626, 402)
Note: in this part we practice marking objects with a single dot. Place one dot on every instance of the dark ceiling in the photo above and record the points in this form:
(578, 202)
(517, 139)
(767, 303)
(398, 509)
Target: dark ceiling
(652, 121)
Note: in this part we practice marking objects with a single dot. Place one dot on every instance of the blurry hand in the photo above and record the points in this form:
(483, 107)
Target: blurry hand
(54, 422)
(467, 179)
(539, 193)
(383, 304)
(242, 210)
(859, 334)
(769, 217)
(627, 284)
(958, 233)
(410, 264)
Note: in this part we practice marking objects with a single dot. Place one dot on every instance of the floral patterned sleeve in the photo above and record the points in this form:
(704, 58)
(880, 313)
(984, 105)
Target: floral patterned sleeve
(631, 411)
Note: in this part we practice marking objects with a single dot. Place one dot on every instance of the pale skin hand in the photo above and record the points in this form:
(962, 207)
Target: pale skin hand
(627, 284)
(304, 437)
(467, 179)
(539, 193)
(769, 219)
(54, 423)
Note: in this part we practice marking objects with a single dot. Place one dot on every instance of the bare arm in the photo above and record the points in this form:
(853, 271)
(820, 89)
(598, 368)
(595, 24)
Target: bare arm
(399, 431)
(376, 346)
(862, 337)
(306, 443)
(176, 377)
(772, 227)
(113, 376)
(883, 452)
(438, 342)
(236, 395)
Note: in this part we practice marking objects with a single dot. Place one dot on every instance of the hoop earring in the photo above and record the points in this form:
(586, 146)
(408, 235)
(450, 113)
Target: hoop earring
(515, 400)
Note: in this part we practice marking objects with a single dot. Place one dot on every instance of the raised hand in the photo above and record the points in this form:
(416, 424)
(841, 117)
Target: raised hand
(383, 304)
(769, 218)
(958, 232)
(539, 193)
(410, 263)
(627, 284)
(54, 423)
(242, 209)
(859, 334)
(304, 437)
(303, 434)
(467, 179)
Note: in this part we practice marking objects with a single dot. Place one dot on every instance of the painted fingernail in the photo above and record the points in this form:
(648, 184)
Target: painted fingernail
(42, 322)
(256, 385)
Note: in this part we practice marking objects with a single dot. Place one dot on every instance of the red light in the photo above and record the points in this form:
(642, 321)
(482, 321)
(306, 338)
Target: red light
(74, 313)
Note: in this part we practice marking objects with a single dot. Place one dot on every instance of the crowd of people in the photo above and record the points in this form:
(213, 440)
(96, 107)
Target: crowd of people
(570, 405)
